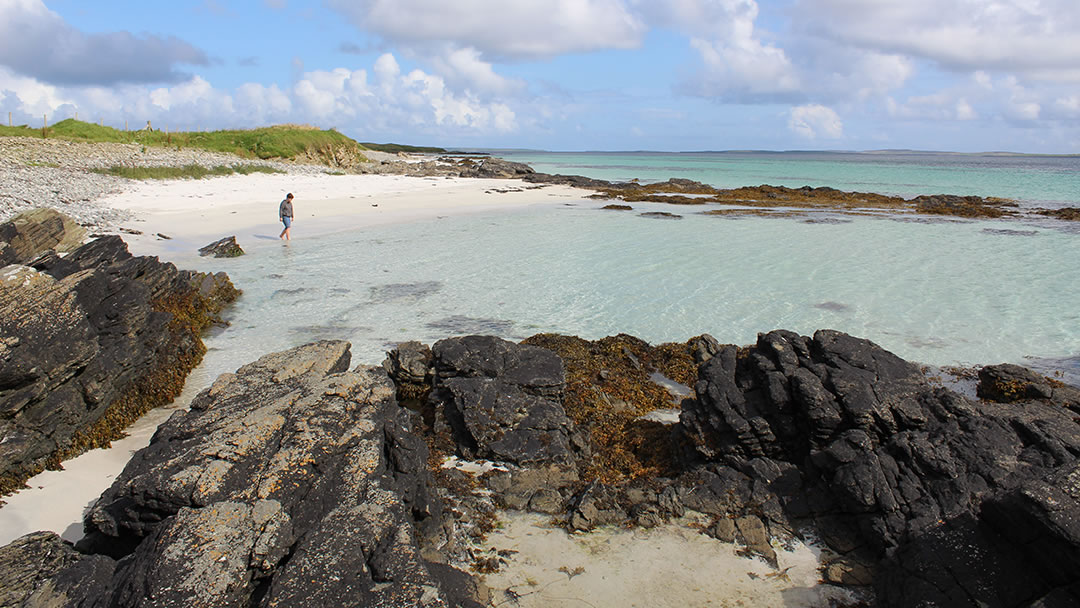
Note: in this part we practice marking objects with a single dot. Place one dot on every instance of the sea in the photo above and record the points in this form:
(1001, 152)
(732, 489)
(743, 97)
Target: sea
(937, 291)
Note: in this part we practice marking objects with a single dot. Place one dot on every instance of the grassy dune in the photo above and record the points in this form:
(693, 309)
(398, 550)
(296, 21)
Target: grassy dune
(287, 142)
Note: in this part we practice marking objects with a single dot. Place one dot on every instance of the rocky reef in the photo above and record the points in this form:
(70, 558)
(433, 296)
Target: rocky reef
(89, 341)
(297, 481)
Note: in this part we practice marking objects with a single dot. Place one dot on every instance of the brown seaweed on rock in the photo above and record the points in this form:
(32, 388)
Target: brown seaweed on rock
(608, 390)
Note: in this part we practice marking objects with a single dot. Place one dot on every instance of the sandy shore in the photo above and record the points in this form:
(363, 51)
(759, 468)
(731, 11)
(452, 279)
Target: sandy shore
(193, 213)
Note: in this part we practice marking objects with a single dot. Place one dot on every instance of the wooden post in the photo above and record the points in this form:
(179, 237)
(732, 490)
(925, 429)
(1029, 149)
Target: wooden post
(44, 126)
(125, 126)
(9, 119)
(76, 115)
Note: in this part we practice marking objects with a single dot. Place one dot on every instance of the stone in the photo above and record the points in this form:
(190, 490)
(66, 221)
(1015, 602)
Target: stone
(35, 231)
(222, 248)
(88, 343)
(951, 497)
(1009, 383)
(502, 400)
(292, 482)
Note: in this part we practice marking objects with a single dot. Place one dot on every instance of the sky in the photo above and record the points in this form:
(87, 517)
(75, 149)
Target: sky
(957, 75)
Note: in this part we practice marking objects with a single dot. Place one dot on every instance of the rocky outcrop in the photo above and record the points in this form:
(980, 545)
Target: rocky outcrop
(88, 343)
(502, 401)
(293, 482)
(894, 468)
(34, 231)
(496, 168)
(222, 248)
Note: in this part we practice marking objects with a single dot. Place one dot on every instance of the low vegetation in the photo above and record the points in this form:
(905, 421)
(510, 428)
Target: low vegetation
(187, 171)
(285, 142)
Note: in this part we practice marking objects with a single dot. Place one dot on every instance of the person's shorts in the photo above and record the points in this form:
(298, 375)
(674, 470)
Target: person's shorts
(287, 221)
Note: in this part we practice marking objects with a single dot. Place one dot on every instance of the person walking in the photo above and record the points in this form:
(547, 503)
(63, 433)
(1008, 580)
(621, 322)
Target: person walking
(285, 214)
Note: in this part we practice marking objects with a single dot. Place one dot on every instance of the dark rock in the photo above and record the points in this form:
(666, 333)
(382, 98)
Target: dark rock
(35, 231)
(962, 206)
(88, 343)
(1065, 213)
(223, 248)
(409, 366)
(493, 167)
(1008, 383)
(503, 401)
(618, 207)
(293, 482)
(890, 467)
(661, 215)
(40, 569)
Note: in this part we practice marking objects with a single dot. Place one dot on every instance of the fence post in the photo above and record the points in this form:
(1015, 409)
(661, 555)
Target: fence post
(9, 119)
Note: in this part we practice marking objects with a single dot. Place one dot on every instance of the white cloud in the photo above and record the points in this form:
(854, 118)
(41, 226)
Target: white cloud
(814, 120)
(465, 68)
(37, 42)
(519, 29)
(383, 99)
(1033, 37)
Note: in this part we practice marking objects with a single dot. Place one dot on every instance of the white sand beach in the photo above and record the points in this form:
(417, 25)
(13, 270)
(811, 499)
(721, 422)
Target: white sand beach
(197, 212)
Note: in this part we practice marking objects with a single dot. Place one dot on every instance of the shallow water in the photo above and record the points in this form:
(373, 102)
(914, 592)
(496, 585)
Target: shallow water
(942, 292)
(1051, 181)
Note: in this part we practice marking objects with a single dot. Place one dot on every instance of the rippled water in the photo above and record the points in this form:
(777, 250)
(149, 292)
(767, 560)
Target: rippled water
(941, 292)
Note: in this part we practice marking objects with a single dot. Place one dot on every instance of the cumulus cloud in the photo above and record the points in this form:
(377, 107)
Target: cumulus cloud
(520, 29)
(38, 43)
(392, 97)
(814, 121)
(1032, 37)
(465, 68)
(383, 99)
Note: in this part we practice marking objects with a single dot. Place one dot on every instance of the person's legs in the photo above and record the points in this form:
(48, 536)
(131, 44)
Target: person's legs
(285, 233)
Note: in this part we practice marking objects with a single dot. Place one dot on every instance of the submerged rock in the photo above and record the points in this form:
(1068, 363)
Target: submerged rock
(88, 343)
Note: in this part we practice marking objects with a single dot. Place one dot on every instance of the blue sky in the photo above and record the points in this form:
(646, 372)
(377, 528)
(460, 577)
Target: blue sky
(963, 75)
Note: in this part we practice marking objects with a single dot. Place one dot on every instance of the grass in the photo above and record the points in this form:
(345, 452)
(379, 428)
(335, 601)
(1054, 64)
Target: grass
(289, 142)
(187, 171)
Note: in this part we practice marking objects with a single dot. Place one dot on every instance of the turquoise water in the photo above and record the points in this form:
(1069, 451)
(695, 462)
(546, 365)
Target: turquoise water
(943, 292)
(1051, 181)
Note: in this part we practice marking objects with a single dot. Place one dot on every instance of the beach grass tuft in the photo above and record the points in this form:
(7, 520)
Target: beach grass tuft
(185, 172)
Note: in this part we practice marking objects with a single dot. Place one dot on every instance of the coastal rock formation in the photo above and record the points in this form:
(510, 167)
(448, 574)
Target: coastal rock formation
(896, 469)
(37, 230)
(496, 168)
(293, 482)
(502, 401)
(88, 343)
(222, 248)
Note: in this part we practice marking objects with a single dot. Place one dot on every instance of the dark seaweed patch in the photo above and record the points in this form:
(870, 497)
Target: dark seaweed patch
(404, 291)
(460, 324)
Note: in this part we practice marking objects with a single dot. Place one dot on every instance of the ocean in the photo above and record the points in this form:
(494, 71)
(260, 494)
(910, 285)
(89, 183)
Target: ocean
(937, 291)
(1048, 181)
